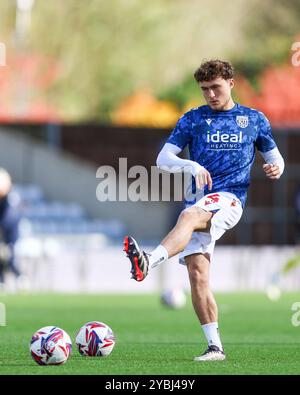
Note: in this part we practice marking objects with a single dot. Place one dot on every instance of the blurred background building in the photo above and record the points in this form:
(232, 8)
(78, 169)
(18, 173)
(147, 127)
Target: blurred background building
(87, 83)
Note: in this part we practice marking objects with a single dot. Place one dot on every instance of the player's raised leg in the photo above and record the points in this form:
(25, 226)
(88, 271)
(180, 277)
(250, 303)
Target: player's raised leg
(190, 220)
(205, 305)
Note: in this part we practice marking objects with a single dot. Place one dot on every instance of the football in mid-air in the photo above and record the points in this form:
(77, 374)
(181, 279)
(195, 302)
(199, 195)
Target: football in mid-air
(273, 292)
(95, 339)
(50, 346)
(174, 298)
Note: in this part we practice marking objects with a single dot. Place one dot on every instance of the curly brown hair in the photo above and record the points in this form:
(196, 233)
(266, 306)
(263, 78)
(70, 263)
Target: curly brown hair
(212, 69)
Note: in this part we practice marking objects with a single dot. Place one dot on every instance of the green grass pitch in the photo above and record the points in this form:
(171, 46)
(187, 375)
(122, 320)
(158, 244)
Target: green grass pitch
(257, 334)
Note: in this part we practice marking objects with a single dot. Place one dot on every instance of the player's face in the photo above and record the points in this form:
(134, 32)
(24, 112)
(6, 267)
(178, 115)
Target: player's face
(217, 93)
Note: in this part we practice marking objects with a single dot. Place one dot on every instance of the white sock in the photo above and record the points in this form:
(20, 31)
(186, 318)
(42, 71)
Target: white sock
(157, 256)
(212, 335)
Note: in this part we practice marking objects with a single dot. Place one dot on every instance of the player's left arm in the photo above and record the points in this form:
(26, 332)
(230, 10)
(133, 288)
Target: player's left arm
(274, 165)
(267, 147)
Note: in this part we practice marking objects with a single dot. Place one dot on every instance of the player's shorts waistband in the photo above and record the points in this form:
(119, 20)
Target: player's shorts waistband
(228, 195)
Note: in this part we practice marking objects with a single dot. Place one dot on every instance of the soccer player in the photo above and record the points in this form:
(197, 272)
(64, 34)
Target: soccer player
(222, 138)
(9, 227)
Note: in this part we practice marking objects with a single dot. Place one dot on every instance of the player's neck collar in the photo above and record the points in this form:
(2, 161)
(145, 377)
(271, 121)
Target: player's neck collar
(234, 108)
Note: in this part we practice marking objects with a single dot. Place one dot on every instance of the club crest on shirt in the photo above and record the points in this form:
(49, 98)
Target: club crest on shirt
(242, 121)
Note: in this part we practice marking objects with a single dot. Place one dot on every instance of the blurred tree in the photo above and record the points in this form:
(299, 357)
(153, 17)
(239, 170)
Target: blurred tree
(265, 39)
(8, 20)
(143, 109)
(270, 31)
(187, 90)
(108, 50)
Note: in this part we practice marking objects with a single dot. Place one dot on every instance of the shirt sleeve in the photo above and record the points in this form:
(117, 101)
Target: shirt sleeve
(169, 161)
(181, 134)
(274, 157)
(265, 140)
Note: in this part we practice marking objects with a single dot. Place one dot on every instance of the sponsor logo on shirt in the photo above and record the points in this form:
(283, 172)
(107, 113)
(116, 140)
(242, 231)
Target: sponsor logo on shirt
(224, 141)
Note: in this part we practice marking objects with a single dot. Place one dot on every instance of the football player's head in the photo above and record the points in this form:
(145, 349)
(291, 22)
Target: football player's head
(215, 78)
(5, 183)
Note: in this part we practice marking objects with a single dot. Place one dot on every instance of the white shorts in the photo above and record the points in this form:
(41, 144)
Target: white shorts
(227, 211)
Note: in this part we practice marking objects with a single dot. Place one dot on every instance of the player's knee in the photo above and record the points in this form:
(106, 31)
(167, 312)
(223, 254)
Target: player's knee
(186, 215)
(191, 216)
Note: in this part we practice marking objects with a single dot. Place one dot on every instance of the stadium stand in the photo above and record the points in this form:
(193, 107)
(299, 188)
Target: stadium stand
(44, 217)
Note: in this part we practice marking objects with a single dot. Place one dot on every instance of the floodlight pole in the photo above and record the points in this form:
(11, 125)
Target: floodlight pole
(23, 20)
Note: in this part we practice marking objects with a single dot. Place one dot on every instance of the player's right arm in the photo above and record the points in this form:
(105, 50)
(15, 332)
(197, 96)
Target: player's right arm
(169, 160)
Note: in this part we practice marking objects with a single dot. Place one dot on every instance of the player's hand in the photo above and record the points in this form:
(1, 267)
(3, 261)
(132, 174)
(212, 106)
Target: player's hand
(272, 171)
(203, 178)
